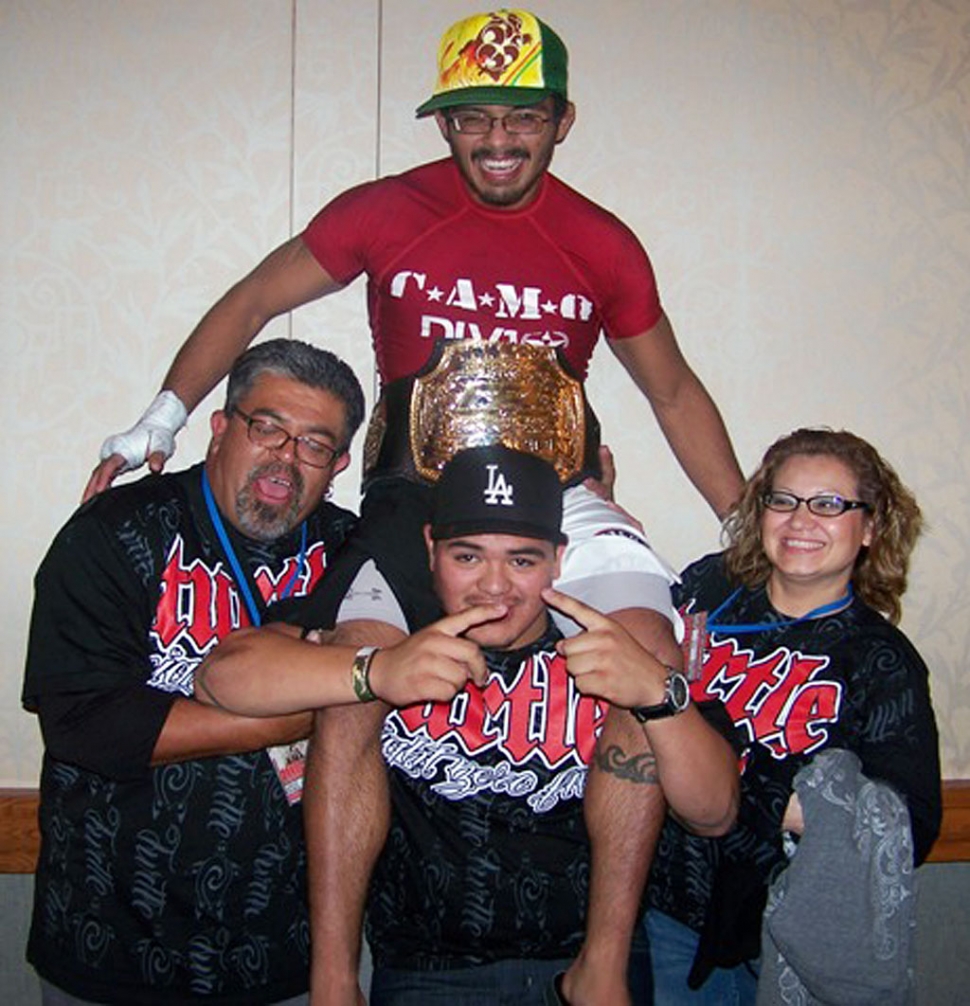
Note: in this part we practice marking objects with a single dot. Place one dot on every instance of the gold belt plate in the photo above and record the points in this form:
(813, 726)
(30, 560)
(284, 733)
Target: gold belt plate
(485, 393)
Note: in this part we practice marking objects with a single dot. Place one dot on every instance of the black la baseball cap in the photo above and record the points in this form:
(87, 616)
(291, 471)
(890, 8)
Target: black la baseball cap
(497, 490)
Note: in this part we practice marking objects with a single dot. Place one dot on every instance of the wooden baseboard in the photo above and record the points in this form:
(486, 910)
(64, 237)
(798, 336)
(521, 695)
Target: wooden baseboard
(19, 835)
(953, 845)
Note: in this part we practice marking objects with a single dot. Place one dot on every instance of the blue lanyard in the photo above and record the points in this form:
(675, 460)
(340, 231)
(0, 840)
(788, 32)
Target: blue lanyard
(825, 609)
(242, 581)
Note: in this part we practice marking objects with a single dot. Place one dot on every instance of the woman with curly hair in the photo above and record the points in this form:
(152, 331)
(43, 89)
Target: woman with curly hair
(793, 629)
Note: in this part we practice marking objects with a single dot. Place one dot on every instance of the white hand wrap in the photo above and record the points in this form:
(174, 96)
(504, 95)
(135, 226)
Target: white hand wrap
(154, 432)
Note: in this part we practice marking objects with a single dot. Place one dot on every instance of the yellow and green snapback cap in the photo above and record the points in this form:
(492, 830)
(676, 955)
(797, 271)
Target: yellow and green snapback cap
(506, 57)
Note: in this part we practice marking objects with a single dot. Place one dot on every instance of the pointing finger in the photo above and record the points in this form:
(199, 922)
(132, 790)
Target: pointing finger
(587, 617)
(455, 625)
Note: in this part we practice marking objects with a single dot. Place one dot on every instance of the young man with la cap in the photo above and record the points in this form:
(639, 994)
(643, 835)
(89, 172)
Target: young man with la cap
(482, 290)
(480, 893)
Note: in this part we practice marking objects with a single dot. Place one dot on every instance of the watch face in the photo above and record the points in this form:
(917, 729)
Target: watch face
(679, 691)
(676, 699)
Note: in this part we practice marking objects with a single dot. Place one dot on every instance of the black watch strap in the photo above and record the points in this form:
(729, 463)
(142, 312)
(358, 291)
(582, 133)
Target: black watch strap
(676, 699)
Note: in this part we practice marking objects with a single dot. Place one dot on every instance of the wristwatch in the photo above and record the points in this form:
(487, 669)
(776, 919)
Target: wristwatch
(676, 699)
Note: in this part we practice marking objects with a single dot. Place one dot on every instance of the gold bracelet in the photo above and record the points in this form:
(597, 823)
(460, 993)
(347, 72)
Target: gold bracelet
(360, 673)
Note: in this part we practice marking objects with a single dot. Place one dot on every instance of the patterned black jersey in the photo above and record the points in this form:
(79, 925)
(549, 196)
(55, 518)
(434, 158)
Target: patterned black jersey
(186, 882)
(487, 857)
(848, 680)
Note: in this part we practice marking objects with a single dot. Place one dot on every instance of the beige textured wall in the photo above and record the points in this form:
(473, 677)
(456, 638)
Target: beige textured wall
(798, 171)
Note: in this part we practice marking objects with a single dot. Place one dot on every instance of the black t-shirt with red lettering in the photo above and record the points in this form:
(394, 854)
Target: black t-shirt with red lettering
(487, 857)
(184, 882)
(848, 679)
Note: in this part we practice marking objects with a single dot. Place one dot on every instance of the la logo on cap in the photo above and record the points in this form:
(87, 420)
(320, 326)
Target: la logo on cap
(499, 490)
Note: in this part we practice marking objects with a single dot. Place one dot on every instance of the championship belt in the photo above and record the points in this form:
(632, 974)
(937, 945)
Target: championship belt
(471, 394)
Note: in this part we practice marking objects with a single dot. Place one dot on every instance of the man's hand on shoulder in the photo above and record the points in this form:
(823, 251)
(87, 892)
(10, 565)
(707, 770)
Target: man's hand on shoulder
(152, 438)
(105, 472)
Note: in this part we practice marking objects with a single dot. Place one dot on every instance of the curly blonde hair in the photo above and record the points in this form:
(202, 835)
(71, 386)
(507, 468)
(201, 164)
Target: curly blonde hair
(879, 575)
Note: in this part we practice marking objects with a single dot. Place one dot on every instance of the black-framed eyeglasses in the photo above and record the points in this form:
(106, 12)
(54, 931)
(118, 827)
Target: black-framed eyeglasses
(521, 122)
(310, 450)
(824, 505)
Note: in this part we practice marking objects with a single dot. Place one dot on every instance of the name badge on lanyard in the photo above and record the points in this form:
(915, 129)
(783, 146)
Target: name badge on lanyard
(694, 644)
(698, 625)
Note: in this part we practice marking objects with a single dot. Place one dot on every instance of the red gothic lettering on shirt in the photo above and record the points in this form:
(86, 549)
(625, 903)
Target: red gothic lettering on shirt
(539, 713)
(314, 564)
(777, 700)
(198, 605)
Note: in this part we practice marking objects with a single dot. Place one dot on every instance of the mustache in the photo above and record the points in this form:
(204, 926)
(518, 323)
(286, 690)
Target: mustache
(490, 152)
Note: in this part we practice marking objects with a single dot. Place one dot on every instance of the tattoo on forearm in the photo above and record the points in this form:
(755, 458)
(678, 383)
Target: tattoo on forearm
(640, 768)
